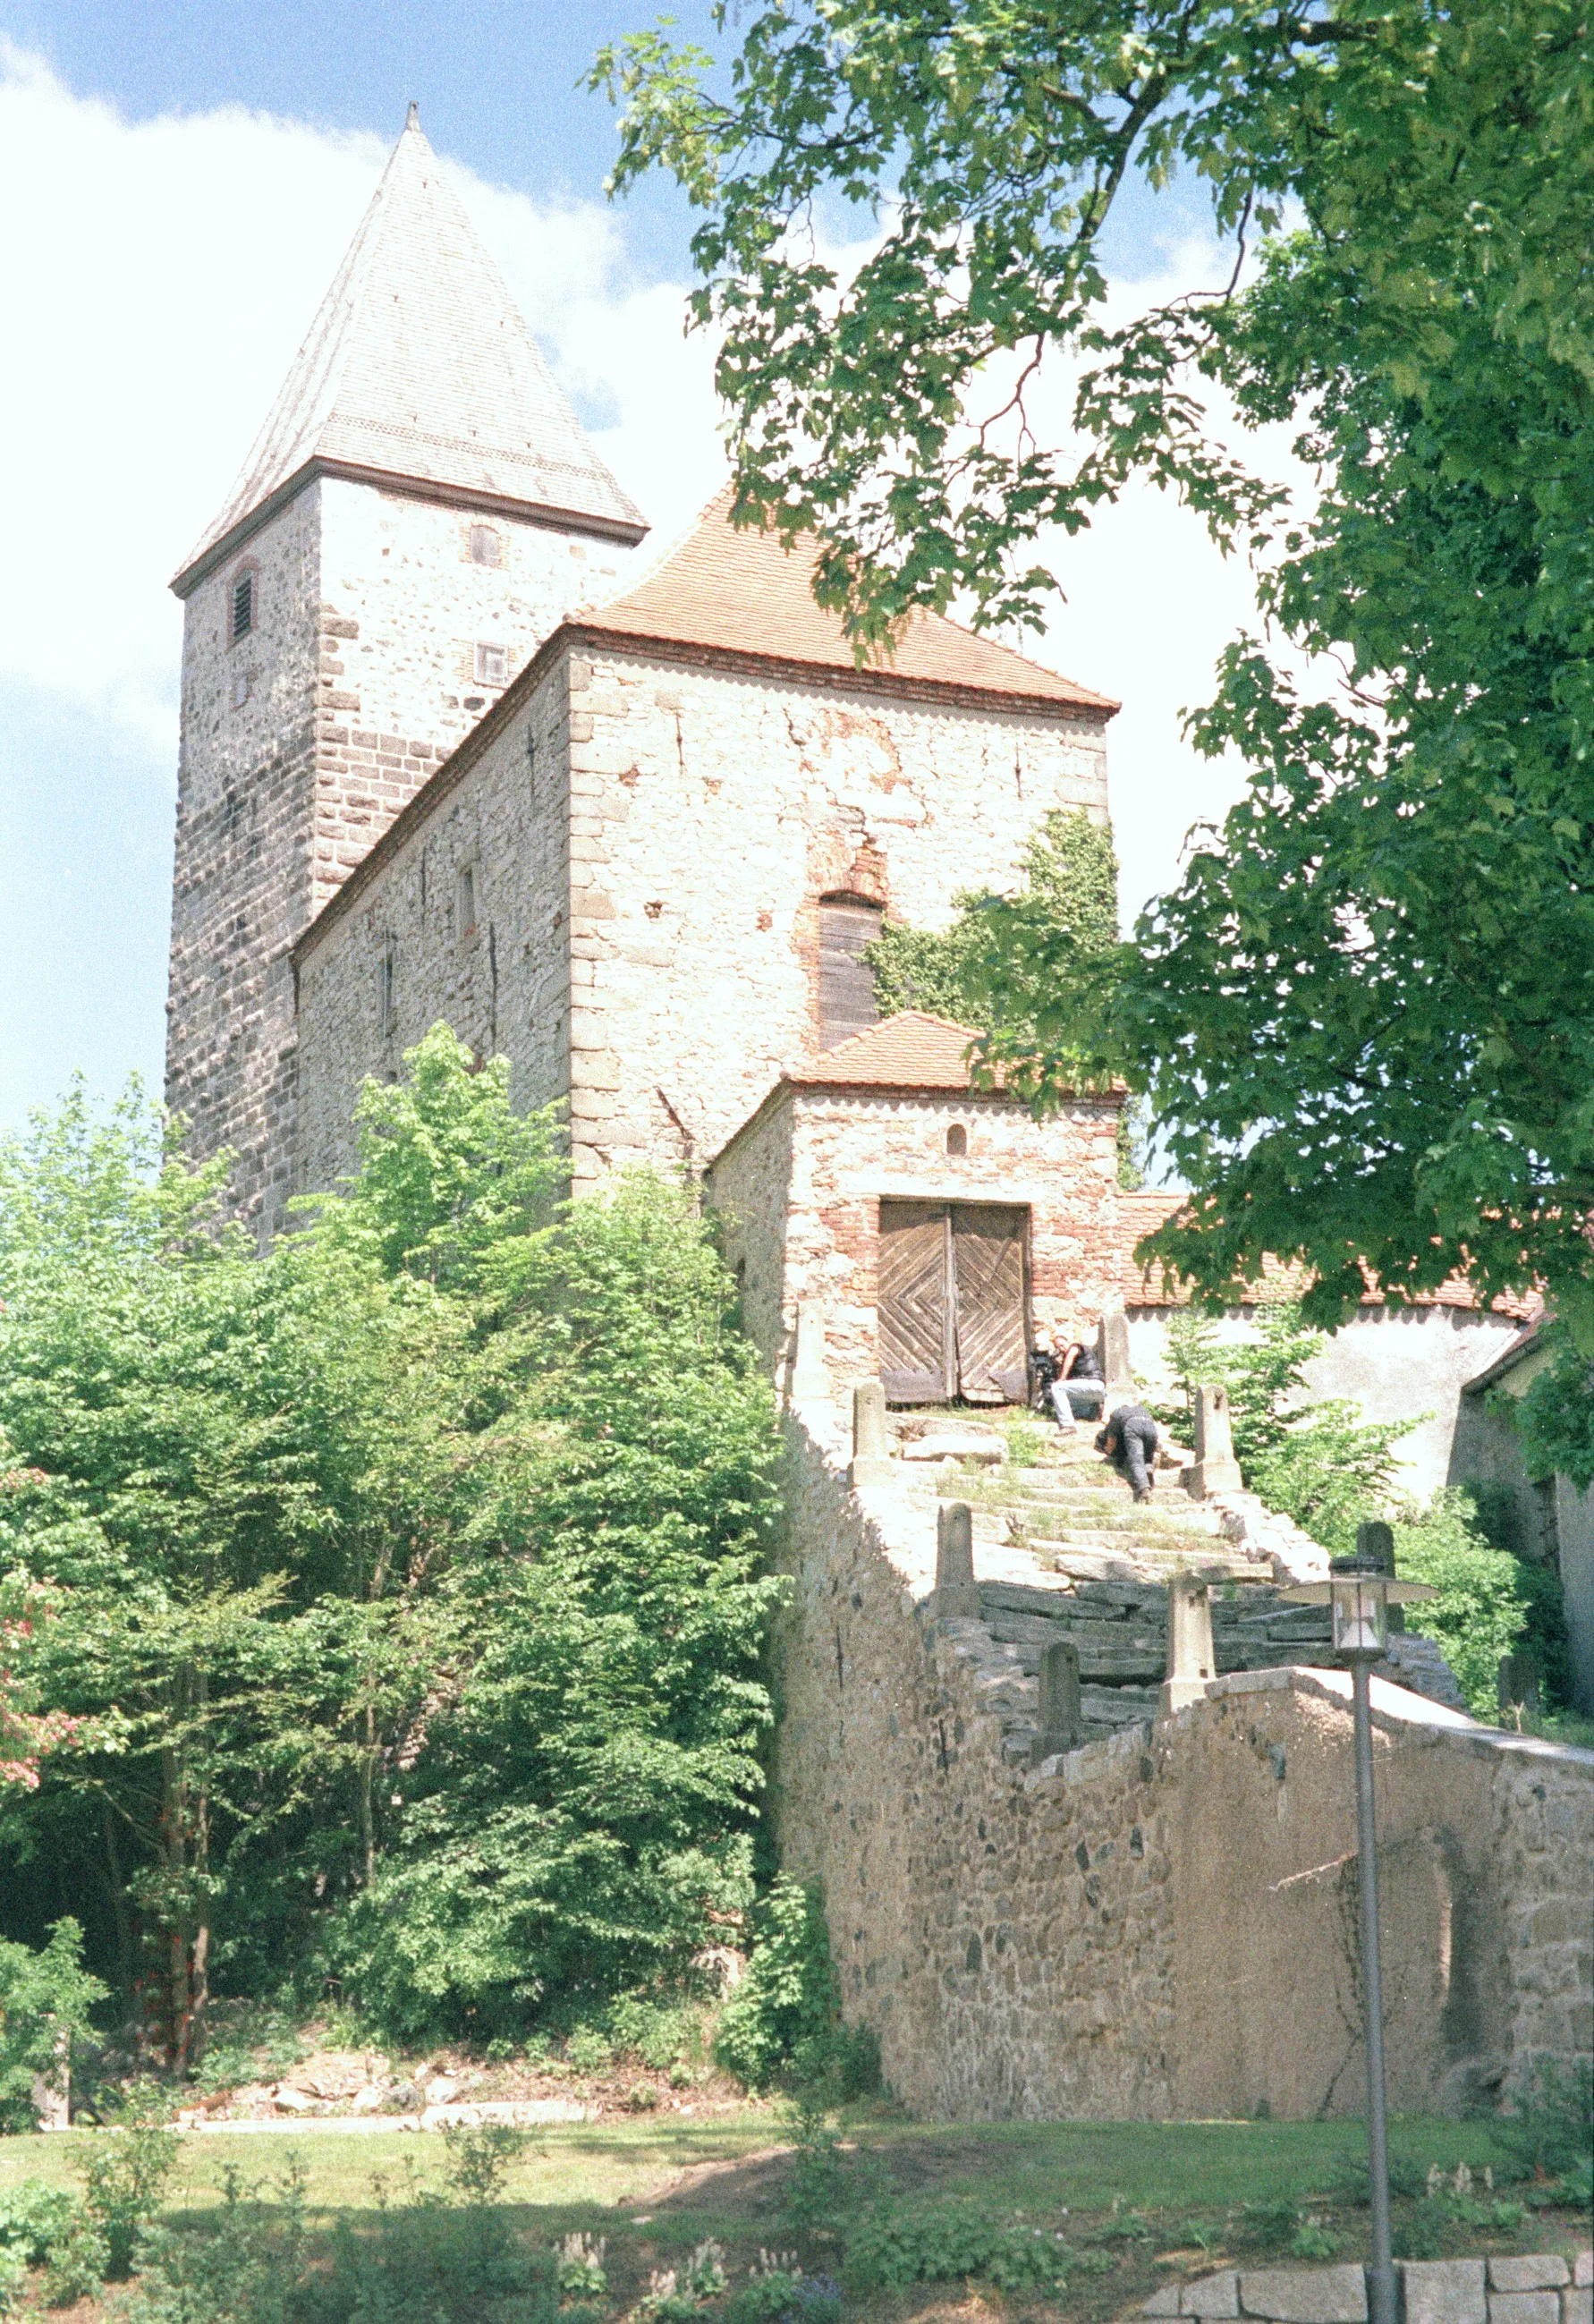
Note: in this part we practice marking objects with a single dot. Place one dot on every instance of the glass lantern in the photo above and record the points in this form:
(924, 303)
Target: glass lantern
(1358, 1594)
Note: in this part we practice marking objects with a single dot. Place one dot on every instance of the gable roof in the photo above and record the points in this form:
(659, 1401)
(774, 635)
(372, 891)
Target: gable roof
(419, 370)
(912, 1050)
(726, 591)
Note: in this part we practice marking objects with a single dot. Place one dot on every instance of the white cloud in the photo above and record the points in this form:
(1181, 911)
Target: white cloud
(157, 277)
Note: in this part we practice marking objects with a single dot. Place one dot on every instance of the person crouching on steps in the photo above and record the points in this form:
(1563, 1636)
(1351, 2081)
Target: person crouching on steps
(1129, 1442)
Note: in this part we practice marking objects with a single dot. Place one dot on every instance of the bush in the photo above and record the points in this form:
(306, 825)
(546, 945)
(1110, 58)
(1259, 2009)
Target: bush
(34, 2219)
(941, 2243)
(123, 2179)
(1550, 2129)
(1482, 1608)
(783, 2022)
(45, 1998)
(429, 2261)
(784, 2295)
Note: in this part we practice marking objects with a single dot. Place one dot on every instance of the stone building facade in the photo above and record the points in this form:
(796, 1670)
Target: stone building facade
(419, 513)
(449, 753)
(656, 819)
(887, 1122)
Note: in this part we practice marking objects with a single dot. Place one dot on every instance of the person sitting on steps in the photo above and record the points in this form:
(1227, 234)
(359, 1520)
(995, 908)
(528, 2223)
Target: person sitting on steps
(1129, 1442)
(1078, 1379)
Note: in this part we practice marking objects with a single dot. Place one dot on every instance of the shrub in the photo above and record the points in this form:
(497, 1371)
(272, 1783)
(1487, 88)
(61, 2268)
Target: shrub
(34, 2217)
(123, 2179)
(1550, 2129)
(1482, 1606)
(784, 2021)
(45, 1998)
(941, 2243)
(784, 2295)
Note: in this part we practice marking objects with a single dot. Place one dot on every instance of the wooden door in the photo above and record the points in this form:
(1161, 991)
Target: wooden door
(989, 1304)
(916, 1350)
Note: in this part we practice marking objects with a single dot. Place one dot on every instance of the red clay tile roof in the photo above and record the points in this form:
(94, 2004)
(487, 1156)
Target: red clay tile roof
(741, 592)
(913, 1050)
(1143, 1212)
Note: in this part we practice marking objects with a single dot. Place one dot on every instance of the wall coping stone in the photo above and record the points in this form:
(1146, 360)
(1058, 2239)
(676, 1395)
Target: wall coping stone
(1319, 2295)
(1541, 2272)
(1530, 2289)
(1444, 2290)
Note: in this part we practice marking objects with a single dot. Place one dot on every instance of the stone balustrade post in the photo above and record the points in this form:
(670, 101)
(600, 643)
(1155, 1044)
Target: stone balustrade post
(1191, 1658)
(956, 1590)
(1112, 1346)
(1062, 1721)
(1216, 1470)
(871, 1438)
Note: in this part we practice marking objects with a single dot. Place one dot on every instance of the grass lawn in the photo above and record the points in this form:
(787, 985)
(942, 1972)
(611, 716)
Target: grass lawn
(1139, 2201)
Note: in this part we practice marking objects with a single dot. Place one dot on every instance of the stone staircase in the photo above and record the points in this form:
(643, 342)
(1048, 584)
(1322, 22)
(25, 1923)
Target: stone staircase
(1062, 1551)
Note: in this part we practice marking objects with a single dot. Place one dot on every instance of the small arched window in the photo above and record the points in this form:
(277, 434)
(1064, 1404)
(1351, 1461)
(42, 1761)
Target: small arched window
(957, 1139)
(847, 927)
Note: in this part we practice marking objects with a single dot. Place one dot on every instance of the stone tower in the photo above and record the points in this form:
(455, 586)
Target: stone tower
(420, 511)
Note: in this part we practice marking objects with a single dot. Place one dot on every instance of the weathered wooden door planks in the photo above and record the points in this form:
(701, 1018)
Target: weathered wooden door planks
(952, 1318)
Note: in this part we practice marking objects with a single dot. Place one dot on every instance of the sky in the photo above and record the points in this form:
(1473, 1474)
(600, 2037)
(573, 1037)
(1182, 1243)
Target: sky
(179, 178)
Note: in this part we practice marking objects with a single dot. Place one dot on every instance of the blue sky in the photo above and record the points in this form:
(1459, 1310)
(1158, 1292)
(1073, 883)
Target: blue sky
(180, 178)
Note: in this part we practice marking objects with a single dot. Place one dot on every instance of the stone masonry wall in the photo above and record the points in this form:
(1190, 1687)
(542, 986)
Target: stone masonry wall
(1529, 2288)
(301, 741)
(1163, 1924)
(707, 814)
(710, 811)
(800, 1191)
(503, 986)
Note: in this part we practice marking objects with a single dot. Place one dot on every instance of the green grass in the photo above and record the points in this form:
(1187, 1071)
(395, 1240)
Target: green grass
(655, 2188)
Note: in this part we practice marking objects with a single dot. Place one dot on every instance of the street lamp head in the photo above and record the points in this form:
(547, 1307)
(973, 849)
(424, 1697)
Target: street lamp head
(1360, 1591)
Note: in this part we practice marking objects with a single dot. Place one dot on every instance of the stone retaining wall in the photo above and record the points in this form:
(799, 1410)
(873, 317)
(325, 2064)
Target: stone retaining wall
(1161, 1923)
(1545, 2289)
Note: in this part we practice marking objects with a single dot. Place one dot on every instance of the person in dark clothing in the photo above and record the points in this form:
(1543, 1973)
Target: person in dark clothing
(1129, 1442)
(1080, 1380)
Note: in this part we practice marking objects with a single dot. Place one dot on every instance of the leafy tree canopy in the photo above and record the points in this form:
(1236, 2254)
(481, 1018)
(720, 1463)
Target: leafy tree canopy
(1366, 1018)
(405, 1585)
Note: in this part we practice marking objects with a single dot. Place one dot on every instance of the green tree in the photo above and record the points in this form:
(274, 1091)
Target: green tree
(417, 1561)
(1366, 1019)
(1011, 967)
(1315, 1459)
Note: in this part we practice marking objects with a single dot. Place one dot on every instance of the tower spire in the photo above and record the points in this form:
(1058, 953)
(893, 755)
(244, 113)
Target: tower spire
(419, 374)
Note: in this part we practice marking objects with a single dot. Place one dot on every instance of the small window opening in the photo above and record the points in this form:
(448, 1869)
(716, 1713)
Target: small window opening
(847, 926)
(386, 969)
(957, 1139)
(467, 899)
(242, 606)
(492, 665)
(486, 545)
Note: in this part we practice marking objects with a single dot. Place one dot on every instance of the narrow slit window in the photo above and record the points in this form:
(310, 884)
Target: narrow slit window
(847, 926)
(486, 545)
(492, 665)
(243, 612)
(386, 981)
(467, 899)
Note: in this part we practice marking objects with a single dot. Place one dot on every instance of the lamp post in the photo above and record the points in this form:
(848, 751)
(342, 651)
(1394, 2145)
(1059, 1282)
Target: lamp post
(1360, 1590)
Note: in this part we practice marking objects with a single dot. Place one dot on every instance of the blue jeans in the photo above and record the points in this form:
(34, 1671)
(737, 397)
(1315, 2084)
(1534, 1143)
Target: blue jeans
(1084, 1398)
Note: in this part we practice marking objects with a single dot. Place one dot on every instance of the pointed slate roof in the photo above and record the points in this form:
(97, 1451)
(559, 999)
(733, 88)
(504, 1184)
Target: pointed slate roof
(725, 591)
(420, 372)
